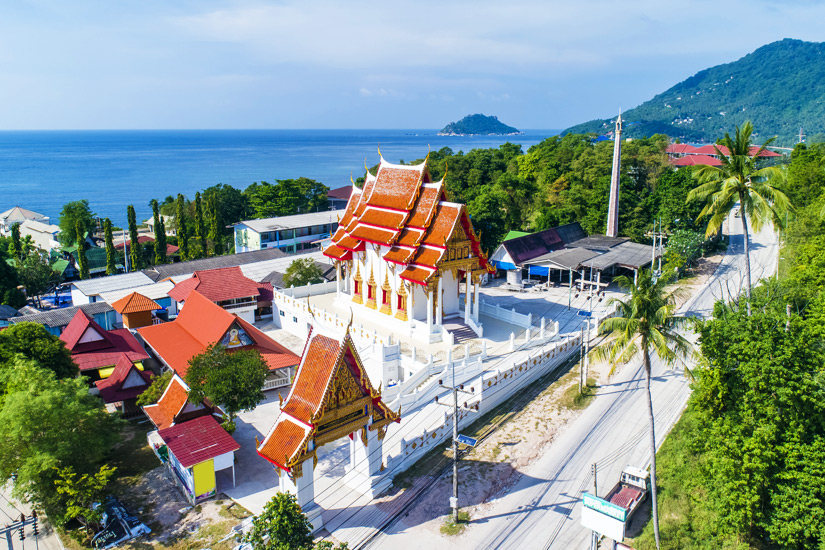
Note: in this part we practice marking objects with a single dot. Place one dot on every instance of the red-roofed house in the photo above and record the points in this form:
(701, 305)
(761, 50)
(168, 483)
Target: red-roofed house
(173, 406)
(196, 450)
(227, 287)
(123, 386)
(96, 350)
(682, 154)
(171, 249)
(405, 249)
(695, 160)
(202, 323)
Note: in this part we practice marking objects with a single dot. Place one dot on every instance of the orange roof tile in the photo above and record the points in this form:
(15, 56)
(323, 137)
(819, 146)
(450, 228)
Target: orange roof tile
(225, 283)
(313, 377)
(428, 256)
(444, 222)
(410, 237)
(397, 187)
(399, 255)
(416, 274)
(284, 441)
(374, 234)
(385, 218)
(163, 413)
(134, 303)
(335, 251)
(424, 209)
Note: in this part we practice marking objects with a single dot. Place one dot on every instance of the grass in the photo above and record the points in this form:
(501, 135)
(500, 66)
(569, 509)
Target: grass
(453, 528)
(234, 511)
(573, 400)
(132, 456)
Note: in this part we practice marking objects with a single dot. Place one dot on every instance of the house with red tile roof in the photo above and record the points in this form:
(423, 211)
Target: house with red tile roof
(227, 287)
(202, 323)
(97, 350)
(171, 249)
(121, 389)
(136, 310)
(682, 154)
(195, 451)
(404, 248)
(174, 407)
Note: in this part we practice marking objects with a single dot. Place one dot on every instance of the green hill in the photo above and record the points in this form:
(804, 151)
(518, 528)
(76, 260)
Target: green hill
(779, 87)
(478, 125)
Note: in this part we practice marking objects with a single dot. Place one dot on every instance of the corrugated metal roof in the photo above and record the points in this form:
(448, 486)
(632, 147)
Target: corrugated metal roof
(62, 317)
(259, 270)
(567, 258)
(601, 243)
(628, 255)
(292, 222)
(98, 285)
(156, 291)
(182, 270)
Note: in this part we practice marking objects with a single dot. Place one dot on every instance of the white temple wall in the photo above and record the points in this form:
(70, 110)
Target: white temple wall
(419, 308)
(450, 293)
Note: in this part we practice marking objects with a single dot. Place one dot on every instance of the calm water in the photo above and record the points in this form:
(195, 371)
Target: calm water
(42, 171)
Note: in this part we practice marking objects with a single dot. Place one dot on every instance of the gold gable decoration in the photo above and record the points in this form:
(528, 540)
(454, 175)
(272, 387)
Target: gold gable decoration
(371, 290)
(358, 290)
(402, 301)
(386, 296)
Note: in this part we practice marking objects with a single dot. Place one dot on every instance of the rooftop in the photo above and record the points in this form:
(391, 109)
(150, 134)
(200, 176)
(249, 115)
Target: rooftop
(292, 222)
(198, 440)
(525, 248)
(628, 255)
(94, 347)
(18, 214)
(181, 270)
(599, 243)
(135, 303)
(62, 317)
(218, 285)
(566, 258)
(126, 382)
(40, 227)
(99, 285)
(156, 291)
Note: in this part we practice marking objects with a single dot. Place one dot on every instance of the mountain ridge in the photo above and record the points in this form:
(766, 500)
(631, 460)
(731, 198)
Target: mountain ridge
(717, 99)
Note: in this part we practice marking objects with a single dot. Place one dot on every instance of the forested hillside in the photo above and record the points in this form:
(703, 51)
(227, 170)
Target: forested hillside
(779, 87)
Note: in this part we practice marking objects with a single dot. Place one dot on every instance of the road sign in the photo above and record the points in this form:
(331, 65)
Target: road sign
(583, 313)
(467, 440)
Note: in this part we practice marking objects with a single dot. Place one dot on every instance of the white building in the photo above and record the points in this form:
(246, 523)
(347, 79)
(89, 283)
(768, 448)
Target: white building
(18, 215)
(44, 235)
(287, 233)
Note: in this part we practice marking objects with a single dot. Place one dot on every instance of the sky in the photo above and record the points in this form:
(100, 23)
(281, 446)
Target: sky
(157, 64)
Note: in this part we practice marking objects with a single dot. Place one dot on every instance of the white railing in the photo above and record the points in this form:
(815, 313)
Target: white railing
(509, 315)
(312, 289)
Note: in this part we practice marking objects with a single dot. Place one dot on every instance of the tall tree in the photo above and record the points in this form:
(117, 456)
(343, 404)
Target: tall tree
(32, 341)
(160, 243)
(281, 526)
(135, 250)
(73, 213)
(182, 226)
(36, 274)
(111, 258)
(162, 240)
(83, 263)
(215, 229)
(232, 379)
(646, 321)
(16, 247)
(740, 180)
(200, 225)
(301, 272)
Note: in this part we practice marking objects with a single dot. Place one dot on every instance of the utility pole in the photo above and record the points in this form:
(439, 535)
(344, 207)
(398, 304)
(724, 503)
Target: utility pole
(594, 537)
(455, 389)
(581, 361)
(653, 252)
(19, 526)
(661, 245)
(125, 252)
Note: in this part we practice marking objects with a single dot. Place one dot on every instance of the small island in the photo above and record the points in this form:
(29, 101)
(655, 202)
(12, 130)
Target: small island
(478, 125)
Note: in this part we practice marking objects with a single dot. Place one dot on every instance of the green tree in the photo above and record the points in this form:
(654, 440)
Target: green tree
(33, 342)
(111, 257)
(81, 494)
(9, 281)
(235, 379)
(301, 272)
(287, 197)
(155, 390)
(182, 225)
(72, 214)
(16, 247)
(231, 204)
(83, 263)
(135, 250)
(46, 423)
(215, 228)
(36, 274)
(200, 225)
(646, 321)
(160, 233)
(740, 180)
(281, 526)
(489, 219)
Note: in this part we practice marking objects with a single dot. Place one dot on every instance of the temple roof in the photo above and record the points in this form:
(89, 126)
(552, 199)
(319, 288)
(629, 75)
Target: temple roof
(126, 382)
(201, 323)
(171, 404)
(401, 208)
(94, 347)
(328, 364)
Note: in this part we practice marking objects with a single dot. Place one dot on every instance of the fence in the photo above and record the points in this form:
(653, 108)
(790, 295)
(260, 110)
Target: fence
(509, 315)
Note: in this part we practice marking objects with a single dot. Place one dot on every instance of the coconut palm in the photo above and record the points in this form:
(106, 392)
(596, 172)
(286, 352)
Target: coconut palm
(645, 322)
(740, 179)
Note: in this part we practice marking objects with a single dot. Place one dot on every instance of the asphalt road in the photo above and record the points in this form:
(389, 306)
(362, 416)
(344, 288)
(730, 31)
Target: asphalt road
(10, 511)
(543, 509)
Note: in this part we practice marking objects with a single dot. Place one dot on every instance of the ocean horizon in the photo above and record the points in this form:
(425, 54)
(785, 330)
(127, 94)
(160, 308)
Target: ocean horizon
(43, 169)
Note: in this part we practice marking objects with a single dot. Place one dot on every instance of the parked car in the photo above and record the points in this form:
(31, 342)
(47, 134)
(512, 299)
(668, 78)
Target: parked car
(118, 525)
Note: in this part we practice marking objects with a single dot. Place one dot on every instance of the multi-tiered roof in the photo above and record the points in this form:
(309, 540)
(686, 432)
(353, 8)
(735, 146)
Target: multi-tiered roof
(402, 208)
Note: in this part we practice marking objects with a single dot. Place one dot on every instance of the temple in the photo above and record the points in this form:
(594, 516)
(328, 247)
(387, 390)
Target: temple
(330, 398)
(402, 249)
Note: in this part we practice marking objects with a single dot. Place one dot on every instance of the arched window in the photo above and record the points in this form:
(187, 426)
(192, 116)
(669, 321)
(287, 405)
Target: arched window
(358, 286)
(386, 296)
(371, 287)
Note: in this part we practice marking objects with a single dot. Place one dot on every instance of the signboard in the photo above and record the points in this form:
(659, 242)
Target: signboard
(467, 440)
(603, 517)
(583, 313)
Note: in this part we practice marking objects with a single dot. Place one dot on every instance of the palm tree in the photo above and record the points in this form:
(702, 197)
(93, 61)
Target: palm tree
(645, 321)
(739, 179)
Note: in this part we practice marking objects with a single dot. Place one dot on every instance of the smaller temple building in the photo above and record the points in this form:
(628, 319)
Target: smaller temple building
(121, 389)
(331, 398)
(136, 310)
(96, 350)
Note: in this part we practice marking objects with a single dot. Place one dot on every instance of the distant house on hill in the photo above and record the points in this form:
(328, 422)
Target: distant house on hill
(18, 215)
(171, 249)
(338, 198)
(44, 235)
(684, 154)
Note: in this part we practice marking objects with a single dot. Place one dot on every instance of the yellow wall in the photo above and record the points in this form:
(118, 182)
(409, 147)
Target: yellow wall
(204, 475)
(106, 372)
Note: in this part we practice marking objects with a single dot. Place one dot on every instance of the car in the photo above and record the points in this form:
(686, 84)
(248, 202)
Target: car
(119, 525)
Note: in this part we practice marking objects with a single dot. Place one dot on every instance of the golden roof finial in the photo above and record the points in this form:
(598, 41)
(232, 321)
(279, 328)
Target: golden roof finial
(379, 151)
(429, 150)
(349, 324)
(350, 175)
(446, 167)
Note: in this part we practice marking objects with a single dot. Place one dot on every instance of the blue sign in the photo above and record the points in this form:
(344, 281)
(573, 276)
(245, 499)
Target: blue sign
(467, 440)
(583, 313)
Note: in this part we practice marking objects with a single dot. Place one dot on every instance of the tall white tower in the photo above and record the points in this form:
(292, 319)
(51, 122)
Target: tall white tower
(613, 207)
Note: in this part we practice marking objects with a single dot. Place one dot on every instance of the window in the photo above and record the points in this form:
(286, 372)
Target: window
(401, 303)
(386, 296)
(357, 286)
(371, 288)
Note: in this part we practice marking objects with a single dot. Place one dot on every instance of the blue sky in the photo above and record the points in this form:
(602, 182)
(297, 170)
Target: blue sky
(357, 64)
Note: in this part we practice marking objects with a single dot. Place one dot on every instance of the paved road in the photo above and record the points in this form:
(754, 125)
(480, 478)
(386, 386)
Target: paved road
(543, 509)
(10, 511)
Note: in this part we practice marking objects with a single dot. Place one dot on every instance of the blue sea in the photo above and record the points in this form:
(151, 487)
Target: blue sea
(42, 170)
